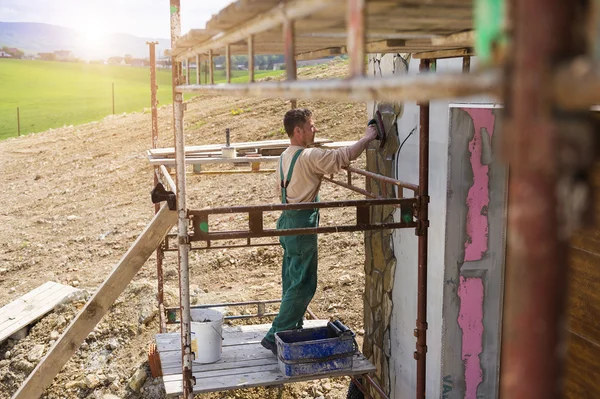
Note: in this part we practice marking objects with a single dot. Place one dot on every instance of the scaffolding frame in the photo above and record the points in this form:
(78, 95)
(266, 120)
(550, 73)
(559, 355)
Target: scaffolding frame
(562, 74)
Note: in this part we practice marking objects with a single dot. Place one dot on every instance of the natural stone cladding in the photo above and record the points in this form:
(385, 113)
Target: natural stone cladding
(380, 262)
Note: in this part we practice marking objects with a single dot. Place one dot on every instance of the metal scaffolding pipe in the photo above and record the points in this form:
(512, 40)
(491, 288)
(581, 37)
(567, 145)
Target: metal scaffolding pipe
(390, 88)
(289, 45)
(384, 179)
(198, 69)
(159, 251)
(272, 19)
(184, 247)
(422, 231)
(536, 268)
(355, 23)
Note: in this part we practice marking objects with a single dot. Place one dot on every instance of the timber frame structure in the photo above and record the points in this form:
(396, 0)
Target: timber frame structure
(308, 29)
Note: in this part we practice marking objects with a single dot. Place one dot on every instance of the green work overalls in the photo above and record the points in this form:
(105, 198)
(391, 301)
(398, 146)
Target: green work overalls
(300, 257)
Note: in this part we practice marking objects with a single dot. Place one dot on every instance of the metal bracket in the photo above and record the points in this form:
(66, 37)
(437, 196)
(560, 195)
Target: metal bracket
(160, 194)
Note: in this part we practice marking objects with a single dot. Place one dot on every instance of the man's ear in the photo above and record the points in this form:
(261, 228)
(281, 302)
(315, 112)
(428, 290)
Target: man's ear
(297, 130)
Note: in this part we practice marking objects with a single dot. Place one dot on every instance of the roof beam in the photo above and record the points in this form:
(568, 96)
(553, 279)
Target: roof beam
(314, 55)
(269, 20)
(462, 39)
(459, 52)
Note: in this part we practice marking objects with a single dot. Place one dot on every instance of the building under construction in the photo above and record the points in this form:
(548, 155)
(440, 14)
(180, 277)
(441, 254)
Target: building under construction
(479, 206)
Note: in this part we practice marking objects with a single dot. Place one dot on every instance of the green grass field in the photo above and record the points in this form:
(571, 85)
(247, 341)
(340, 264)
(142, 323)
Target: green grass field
(53, 94)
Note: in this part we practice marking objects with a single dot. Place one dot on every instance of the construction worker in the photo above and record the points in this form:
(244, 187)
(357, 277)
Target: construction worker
(299, 174)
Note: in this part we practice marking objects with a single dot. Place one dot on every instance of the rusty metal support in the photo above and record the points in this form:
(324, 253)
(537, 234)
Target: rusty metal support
(376, 386)
(384, 179)
(356, 37)
(422, 231)
(536, 269)
(154, 111)
(251, 59)
(289, 46)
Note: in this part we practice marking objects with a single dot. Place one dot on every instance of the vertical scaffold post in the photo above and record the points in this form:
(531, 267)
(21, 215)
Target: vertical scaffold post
(537, 136)
(422, 232)
(187, 71)
(251, 59)
(184, 248)
(159, 250)
(289, 48)
(466, 64)
(356, 37)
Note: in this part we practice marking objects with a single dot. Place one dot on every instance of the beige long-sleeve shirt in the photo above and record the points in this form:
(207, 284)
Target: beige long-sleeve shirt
(308, 172)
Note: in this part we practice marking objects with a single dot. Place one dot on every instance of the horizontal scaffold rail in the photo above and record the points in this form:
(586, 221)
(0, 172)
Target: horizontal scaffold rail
(201, 230)
(420, 87)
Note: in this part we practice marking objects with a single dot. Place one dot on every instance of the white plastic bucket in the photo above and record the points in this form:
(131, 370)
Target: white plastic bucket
(207, 335)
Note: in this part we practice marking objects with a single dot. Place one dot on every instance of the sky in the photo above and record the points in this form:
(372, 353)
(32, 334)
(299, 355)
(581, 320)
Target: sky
(143, 18)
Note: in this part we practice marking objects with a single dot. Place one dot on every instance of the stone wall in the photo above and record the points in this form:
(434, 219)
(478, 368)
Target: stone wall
(380, 262)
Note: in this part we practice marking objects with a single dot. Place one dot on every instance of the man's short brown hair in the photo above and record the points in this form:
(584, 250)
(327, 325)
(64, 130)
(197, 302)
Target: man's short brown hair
(295, 117)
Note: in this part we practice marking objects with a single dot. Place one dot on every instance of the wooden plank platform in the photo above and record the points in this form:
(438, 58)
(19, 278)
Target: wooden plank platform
(244, 363)
(31, 307)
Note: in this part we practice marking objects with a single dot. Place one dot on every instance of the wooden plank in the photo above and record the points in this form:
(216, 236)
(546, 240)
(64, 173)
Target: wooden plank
(232, 335)
(98, 305)
(466, 39)
(231, 357)
(459, 52)
(45, 302)
(582, 368)
(32, 306)
(584, 297)
(252, 377)
(207, 161)
(251, 145)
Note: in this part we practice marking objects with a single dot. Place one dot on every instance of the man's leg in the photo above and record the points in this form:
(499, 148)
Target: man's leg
(302, 278)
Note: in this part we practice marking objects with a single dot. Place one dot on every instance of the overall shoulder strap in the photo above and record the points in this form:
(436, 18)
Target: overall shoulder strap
(285, 184)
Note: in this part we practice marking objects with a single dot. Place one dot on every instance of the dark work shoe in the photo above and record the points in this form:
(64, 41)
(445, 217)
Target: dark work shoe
(272, 346)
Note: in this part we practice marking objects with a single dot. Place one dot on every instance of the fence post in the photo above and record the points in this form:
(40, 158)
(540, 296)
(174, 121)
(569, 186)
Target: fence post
(18, 123)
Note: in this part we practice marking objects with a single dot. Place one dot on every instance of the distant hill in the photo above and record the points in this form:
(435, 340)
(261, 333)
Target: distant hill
(35, 38)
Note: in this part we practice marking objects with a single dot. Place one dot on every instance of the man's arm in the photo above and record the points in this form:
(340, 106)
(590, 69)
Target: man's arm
(357, 148)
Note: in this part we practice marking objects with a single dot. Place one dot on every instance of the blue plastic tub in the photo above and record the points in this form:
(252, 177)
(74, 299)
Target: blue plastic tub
(314, 350)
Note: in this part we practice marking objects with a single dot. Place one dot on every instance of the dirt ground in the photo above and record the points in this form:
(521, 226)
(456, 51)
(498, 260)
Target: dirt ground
(75, 198)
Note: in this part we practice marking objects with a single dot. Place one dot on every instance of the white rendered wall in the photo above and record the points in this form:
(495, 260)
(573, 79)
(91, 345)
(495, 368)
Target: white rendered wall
(404, 314)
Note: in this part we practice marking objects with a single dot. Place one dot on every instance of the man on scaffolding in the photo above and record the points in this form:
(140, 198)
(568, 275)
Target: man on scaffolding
(300, 171)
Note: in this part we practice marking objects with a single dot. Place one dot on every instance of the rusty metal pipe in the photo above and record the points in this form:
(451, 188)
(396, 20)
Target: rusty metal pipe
(384, 179)
(303, 205)
(289, 46)
(422, 231)
(536, 268)
(376, 386)
(154, 119)
(355, 22)
(351, 187)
